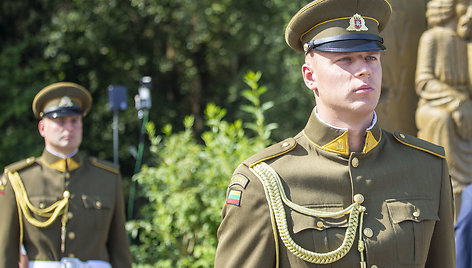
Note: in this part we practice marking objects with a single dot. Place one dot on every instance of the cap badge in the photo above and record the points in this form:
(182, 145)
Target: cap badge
(65, 102)
(357, 23)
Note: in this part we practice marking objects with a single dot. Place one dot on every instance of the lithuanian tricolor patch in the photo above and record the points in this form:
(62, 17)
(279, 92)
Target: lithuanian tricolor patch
(234, 197)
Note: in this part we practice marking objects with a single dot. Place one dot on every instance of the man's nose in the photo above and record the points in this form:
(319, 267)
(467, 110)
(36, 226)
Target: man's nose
(363, 69)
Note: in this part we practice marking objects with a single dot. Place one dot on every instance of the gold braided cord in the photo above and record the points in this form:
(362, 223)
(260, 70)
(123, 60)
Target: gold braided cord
(274, 229)
(51, 212)
(21, 228)
(276, 196)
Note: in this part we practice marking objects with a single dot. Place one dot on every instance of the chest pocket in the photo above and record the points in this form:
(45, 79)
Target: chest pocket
(413, 223)
(41, 202)
(319, 234)
(99, 208)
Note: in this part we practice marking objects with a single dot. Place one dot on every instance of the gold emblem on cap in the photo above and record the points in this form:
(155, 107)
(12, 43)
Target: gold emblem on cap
(357, 23)
(66, 102)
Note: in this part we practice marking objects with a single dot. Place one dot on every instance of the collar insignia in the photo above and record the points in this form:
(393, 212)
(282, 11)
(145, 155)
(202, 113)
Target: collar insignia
(357, 23)
(66, 102)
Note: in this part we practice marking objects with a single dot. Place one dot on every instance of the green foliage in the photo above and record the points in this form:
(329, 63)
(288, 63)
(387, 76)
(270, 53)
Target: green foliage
(186, 187)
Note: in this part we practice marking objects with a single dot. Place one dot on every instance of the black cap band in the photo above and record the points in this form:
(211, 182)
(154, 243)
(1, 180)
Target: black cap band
(55, 112)
(347, 43)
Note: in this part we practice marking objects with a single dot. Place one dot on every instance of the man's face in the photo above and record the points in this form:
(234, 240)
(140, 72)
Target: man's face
(62, 134)
(346, 85)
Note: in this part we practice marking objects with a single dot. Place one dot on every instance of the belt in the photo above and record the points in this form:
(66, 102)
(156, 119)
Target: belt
(69, 263)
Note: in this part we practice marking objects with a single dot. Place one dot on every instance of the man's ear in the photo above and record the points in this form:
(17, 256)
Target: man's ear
(41, 127)
(309, 77)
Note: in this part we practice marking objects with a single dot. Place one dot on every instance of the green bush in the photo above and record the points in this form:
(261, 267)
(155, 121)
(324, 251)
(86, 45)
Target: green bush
(186, 188)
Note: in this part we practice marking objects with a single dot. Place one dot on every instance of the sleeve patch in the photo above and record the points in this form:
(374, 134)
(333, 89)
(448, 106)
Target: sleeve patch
(234, 197)
(239, 179)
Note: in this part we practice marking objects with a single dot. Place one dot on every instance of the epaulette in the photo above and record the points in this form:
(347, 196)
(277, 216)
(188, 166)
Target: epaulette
(104, 165)
(419, 144)
(272, 151)
(20, 164)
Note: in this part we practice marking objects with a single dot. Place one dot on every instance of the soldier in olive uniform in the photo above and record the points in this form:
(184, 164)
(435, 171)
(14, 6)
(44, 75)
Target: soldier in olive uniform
(343, 192)
(67, 210)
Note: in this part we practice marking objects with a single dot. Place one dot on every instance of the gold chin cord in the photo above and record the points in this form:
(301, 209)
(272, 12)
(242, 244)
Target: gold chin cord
(276, 197)
(27, 209)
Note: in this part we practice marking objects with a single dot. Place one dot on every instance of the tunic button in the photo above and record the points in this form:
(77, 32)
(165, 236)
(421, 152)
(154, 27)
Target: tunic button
(402, 135)
(355, 162)
(285, 144)
(70, 215)
(320, 224)
(416, 214)
(358, 198)
(67, 175)
(66, 194)
(71, 235)
(98, 204)
(71, 255)
(41, 205)
(368, 232)
(374, 266)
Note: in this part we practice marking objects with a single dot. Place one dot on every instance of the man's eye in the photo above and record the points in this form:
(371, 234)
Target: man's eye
(371, 58)
(345, 59)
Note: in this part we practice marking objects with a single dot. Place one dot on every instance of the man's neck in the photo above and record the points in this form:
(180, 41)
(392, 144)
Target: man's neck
(356, 128)
(64, 155)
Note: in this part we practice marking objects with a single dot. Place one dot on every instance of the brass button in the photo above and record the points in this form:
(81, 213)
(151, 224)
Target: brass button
(98, 204)
(374, 266)
(320, 224)
(355, 162)
(285, 144)
(71, 255)
(402, 135)
(70, 215)
(71, 235)
(368, 232)
(66, 194)
(358, 198)
(42, 205)
(67, 175)
(416, 214)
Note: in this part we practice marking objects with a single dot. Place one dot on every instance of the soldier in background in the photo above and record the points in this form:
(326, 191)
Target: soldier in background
(64, 208)
(342, 192)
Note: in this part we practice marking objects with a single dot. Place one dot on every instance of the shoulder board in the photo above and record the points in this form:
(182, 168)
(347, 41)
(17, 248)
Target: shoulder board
(419, 144)
(272, 151)
(104, 165)
(20, 164)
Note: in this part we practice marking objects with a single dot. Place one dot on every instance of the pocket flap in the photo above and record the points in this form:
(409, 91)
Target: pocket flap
(42, 201)
(412, 210)
(95, 202)
(303, 222)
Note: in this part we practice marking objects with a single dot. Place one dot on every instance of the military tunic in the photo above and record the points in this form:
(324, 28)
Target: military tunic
(402, 182)
(95, 226)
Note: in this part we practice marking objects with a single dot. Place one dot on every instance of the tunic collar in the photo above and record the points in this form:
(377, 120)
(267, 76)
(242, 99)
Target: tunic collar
(60, 164)
(333, 139)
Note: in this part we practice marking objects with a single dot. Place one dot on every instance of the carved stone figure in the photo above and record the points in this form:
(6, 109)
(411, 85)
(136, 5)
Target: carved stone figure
(443, 83)
(397, 105)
